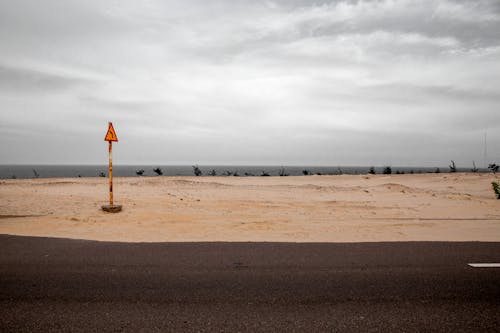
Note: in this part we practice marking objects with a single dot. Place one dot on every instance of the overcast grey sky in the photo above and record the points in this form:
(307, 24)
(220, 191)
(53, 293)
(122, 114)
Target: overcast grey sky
(250, 82)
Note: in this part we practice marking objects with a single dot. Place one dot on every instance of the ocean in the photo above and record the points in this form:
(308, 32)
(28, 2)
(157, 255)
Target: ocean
(64, 171)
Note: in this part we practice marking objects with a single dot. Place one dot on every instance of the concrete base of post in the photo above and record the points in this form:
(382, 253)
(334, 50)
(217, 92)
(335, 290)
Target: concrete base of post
(111, 208)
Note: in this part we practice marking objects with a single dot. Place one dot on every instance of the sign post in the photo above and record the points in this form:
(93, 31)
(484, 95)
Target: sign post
(111, 137)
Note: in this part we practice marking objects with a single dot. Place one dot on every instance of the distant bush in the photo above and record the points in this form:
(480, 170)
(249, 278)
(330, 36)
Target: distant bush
(306, 172)
(264, 174)
(102, 174)
(372, 171)
(453, 167)
(236, 174)
(496, 189)
(212, 173)
(494, 167)
(437, 170)
(139, 172)
(474, 169)
(282, 172)
(339, 171)
(37, 175)
(249, 174)
(387, 170)
(197, 171)
(228, 173)
(158, 171)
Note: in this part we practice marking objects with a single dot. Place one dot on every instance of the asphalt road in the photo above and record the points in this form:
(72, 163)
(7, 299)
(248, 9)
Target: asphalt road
(72, 285)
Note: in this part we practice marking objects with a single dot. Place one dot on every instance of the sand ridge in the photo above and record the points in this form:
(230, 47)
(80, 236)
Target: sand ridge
(343, 208)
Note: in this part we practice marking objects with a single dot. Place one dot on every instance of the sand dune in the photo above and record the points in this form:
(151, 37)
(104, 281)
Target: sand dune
(347, 208)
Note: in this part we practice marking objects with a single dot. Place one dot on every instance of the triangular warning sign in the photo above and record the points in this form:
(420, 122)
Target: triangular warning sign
(111, 135)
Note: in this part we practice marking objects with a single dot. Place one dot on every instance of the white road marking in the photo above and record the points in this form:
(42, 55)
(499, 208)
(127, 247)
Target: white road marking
(486, 264)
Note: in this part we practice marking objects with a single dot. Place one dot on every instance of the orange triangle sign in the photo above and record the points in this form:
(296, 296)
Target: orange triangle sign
(111, 135)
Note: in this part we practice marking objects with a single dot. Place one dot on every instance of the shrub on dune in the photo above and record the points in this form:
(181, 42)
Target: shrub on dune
(496, 189)
(197, 171)
(494, 167)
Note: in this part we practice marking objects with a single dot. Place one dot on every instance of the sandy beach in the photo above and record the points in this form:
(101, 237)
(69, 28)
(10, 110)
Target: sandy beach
(346, 208)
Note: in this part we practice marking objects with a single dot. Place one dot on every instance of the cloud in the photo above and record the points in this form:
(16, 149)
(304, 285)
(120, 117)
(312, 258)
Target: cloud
(331, 82)
(27, 81)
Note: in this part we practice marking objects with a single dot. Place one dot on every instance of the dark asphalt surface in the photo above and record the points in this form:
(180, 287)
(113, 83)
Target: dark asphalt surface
(73, 285)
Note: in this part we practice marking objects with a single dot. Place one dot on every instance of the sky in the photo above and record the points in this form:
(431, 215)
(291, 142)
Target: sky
(401, 83)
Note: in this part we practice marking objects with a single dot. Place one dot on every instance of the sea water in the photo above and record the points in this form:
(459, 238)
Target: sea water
(63, 171)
